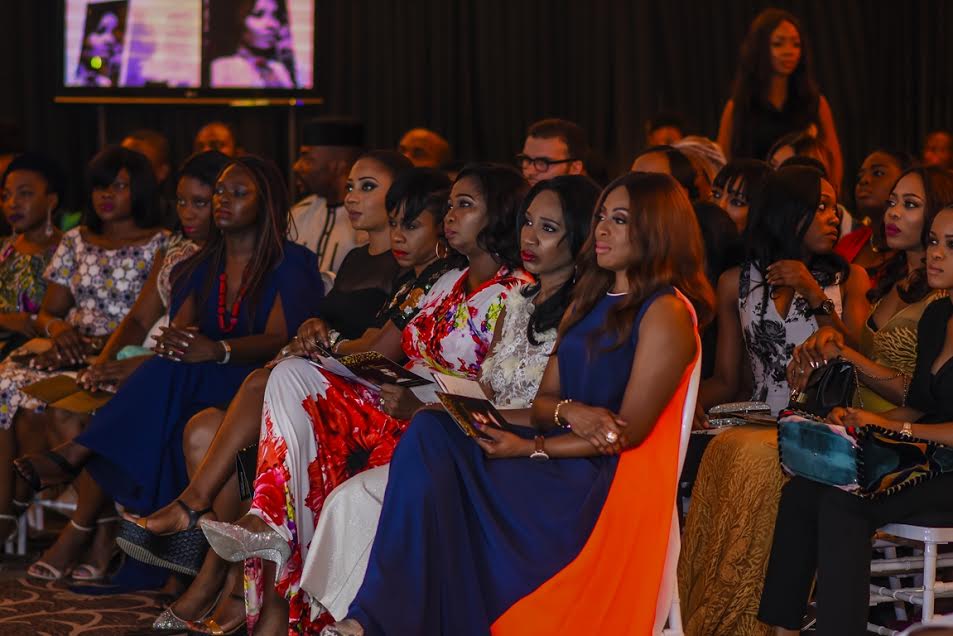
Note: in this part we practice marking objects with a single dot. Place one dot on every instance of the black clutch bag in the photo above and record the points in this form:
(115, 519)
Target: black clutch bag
(246, 467)
(829, 386)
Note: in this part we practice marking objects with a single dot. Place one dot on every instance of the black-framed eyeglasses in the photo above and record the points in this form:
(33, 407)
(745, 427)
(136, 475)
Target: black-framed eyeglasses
(542, 164)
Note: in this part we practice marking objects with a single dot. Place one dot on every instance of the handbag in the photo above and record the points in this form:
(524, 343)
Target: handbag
(869, 462)
(246, 468)
(829, 386)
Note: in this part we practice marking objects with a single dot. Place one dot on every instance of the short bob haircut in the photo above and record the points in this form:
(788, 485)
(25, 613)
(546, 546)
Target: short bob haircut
(419, 190)
(47, 168)
(503, 189)
(102, 172)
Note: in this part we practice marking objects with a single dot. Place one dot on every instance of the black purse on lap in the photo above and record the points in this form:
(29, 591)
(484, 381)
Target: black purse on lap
(829, 386)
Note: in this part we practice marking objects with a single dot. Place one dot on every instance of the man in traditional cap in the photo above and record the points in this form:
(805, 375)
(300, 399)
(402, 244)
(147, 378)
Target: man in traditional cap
(329, 147)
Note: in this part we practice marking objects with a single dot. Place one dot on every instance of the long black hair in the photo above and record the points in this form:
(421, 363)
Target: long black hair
(103, 170)
(503, 189)
(938, 193)
(780, 217)
(271, 225)
(577, 196)
(755, 70)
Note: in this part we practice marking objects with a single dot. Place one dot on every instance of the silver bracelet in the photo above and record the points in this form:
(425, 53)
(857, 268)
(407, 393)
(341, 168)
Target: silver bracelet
(228, 351)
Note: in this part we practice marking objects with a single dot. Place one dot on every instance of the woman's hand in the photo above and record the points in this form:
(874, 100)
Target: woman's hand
(700, 421)
(503, 443)
(398, 402)
(821, 347)
(105, 375)
(600, 427)
(187, 345)
(858, 418)
(794, 274)
(291, 350)
(68, 343)
(313, 337)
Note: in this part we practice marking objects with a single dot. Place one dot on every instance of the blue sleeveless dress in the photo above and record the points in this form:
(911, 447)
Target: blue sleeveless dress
(137, 437)
(463, 537)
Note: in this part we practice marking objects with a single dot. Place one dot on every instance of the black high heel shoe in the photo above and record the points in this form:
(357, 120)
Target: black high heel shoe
(181, 552)
(27, 471)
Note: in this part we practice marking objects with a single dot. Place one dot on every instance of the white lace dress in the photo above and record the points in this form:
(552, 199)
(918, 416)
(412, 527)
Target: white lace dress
(337, 558)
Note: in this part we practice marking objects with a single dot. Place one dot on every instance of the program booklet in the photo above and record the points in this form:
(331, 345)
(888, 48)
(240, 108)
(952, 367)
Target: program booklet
(63, 392)
(468, 412)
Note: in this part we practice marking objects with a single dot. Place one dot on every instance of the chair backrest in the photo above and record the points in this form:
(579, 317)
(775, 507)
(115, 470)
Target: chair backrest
(664, 610)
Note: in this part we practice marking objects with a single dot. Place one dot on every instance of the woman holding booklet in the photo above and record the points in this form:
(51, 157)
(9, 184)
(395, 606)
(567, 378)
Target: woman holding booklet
(319, 429)
(467, 544)
(554, 224)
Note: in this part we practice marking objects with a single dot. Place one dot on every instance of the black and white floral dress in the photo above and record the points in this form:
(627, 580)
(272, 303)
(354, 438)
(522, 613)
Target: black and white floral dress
(770, 339)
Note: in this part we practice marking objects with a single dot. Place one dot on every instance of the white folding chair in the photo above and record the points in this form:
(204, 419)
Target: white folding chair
(923, 567)
(668, 607)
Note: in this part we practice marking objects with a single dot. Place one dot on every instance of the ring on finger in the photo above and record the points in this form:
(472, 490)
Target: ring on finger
(612, 437)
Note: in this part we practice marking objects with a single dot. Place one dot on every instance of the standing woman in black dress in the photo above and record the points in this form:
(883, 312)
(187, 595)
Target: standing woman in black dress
(775, 93)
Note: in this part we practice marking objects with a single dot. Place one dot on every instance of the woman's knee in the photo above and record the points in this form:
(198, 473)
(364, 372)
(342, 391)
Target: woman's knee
(256, 382)
(199, 433)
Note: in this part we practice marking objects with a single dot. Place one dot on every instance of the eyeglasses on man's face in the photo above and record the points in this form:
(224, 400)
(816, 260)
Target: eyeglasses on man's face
(542, 164)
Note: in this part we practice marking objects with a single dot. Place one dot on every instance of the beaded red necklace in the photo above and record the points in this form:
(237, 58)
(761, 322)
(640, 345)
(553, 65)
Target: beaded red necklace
(233, 314)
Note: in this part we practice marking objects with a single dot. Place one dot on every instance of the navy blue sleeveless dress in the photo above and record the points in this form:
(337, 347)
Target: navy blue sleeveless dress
(136, 438)
(463, 537)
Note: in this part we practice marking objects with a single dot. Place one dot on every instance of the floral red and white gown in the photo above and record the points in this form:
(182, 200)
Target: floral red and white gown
(318, 429)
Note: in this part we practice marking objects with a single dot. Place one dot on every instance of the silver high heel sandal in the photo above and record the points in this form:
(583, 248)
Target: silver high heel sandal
(233, 543)
(169, 622)
(347, 627)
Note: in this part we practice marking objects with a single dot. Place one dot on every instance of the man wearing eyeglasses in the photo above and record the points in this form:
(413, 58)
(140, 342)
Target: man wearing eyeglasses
(553, 147)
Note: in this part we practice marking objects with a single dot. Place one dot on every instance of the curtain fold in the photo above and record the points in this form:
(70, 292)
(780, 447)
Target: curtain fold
(480, 71)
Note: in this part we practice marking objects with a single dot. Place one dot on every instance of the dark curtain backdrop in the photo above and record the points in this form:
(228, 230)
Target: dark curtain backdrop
(479, 71)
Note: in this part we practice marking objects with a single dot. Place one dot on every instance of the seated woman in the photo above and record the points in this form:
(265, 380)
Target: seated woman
(736, 185)
(555, 219)
(92, 279)
(417, 200)
(266, 286)
(764, 312)
(467, 543)
(319, 429)
(824, 529)
(137, 331)
(864, 245)
(124, 350)
(887, 350)
(790, 283)
(30, 194)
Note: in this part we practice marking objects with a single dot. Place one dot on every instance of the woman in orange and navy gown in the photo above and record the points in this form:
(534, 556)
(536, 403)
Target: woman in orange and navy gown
(487, 535)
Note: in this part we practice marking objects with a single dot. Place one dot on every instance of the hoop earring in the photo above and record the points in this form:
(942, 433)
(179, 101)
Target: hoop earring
(446, 249)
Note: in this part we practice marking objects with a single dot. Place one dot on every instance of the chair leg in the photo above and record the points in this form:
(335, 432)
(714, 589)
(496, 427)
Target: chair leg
(22, 530)
(929, 579)
(899, 608)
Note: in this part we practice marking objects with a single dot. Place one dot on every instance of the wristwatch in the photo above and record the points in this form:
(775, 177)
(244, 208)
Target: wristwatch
(826, 308)
(540, 454)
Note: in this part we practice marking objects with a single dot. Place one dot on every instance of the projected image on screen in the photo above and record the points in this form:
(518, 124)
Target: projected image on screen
(252, 43)
(100, 58)
(193, 44)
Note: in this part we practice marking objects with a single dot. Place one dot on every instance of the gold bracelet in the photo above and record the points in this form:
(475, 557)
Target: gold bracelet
(875, 378)
(559, 424)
